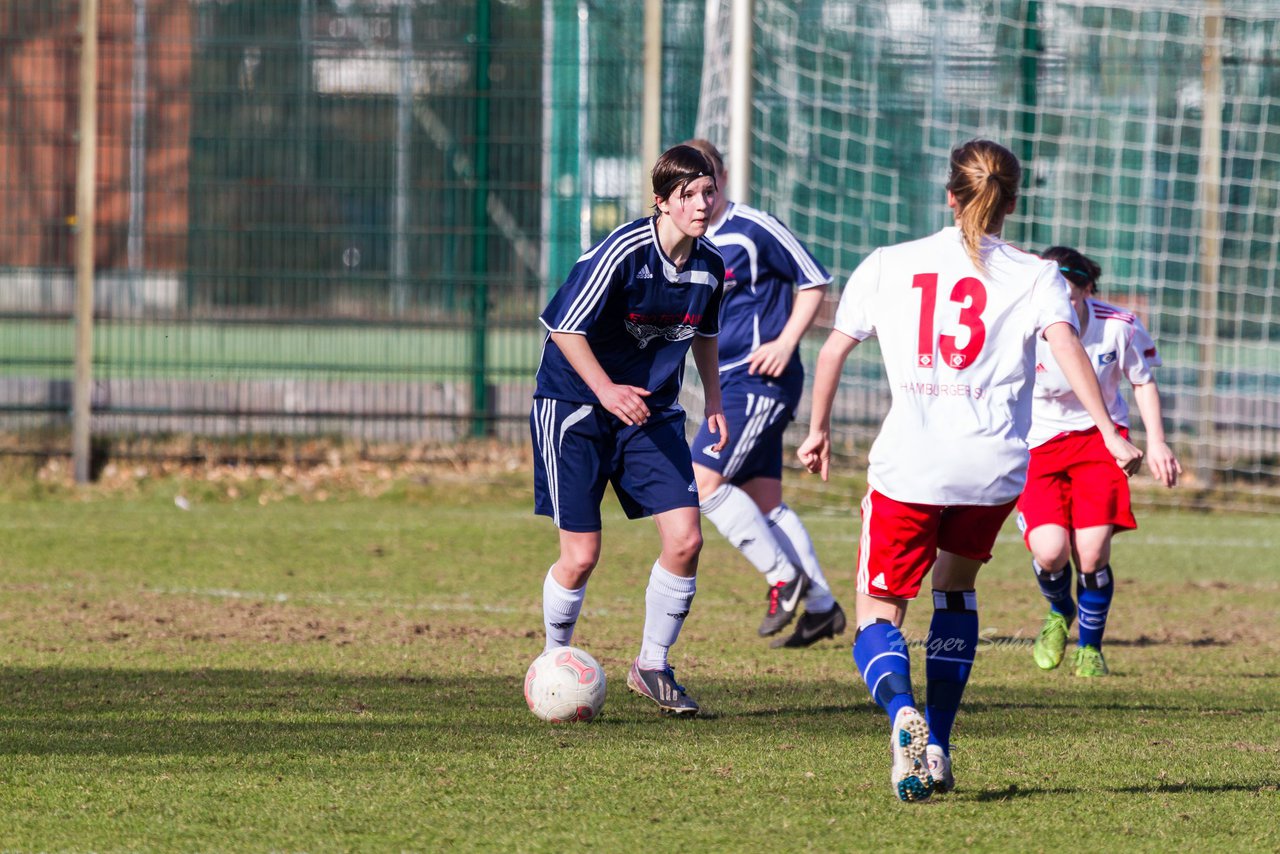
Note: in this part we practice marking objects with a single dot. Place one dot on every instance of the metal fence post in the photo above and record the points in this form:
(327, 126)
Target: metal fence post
(1029, 104)
(86, 174)
(741, 114)
(1210, 232)
(562, 176)
(480, 222)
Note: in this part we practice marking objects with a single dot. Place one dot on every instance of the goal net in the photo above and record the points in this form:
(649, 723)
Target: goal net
(1149, 132)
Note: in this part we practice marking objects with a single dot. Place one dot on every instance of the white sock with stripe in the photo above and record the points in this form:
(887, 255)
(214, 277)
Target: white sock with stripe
(740, 521)
(793, 537)
(666, 604)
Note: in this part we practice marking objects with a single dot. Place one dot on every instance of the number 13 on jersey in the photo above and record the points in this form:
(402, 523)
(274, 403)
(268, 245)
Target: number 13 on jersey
(968, 293)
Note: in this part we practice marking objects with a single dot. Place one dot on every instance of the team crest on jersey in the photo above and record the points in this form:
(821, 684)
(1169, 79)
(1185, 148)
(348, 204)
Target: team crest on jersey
(924, 360)
(646, 332)
(957, 360)
(1106, 358)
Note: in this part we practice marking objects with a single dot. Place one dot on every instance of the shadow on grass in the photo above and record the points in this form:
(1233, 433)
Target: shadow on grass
(244, 711)
(977, 707)
(103, 711)
(1018, 641)
(1015, 791)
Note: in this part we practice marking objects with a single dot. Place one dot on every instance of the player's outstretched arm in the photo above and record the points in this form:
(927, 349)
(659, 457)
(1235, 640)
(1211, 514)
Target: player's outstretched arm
(815, 450)
(771, 358)
(1074, 361)
(706, 356)
(1161, 461)
(624, 401)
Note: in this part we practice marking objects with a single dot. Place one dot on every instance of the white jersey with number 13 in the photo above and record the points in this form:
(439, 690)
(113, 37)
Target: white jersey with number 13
(959, 349)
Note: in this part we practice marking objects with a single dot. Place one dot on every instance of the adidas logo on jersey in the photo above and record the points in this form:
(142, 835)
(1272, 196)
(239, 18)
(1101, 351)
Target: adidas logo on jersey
(1040, 368)
(879, 581)
(710, 451)
(644, 273)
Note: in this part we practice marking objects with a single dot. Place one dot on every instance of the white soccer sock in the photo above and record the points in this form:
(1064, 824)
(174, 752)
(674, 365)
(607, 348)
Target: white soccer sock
(560, 608)
(794, 539)
(666, 604)
(738, 518)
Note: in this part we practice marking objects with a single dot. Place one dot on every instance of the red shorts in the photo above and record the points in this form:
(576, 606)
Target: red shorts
(900, 541)
(1073, 482)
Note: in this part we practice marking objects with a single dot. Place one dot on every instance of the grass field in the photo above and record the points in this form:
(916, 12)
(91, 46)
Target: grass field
(346, 675)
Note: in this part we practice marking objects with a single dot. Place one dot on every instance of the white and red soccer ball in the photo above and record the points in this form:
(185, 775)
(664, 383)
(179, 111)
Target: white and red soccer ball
(565, 684)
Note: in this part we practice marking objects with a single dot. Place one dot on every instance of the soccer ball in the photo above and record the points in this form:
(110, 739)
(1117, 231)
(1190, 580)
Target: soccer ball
(564, 684)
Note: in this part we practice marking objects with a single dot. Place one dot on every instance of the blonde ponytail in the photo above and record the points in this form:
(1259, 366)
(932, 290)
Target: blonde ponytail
(984, 180)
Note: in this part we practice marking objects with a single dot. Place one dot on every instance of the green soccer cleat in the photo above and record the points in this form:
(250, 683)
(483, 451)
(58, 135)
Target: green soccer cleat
(1089, 662)
(1051, 643)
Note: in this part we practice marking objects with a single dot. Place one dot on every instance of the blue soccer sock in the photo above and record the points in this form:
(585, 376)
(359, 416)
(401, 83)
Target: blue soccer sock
(1055, 586)
(1094, 590)
(880, 652)
(953, 641)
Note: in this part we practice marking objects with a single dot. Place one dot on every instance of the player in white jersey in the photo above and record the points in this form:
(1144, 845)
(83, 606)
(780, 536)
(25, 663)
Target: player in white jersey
(773, 289)
(957, 315)
(1075, 500)
(605, 409)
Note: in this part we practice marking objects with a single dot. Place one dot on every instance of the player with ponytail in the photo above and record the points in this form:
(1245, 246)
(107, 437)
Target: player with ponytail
(957, 315)
(983, 188)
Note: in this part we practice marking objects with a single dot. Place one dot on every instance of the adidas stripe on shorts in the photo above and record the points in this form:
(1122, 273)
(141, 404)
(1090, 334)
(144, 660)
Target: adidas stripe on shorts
(579, 448)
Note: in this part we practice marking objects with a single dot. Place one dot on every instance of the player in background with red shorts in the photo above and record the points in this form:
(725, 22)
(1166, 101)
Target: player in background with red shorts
(1075, 498)
(957, 315)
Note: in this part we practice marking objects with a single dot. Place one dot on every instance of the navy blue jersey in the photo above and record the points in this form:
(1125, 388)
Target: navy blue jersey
(639, 315)
(764, 264)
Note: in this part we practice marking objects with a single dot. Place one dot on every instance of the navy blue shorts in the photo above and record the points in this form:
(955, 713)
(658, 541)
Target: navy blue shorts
(578, 448)
(758, 411)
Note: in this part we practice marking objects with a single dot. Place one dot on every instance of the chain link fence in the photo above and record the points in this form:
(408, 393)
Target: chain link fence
(339, 218)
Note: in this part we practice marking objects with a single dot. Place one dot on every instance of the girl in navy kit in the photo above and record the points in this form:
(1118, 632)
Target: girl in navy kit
(605, 409)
